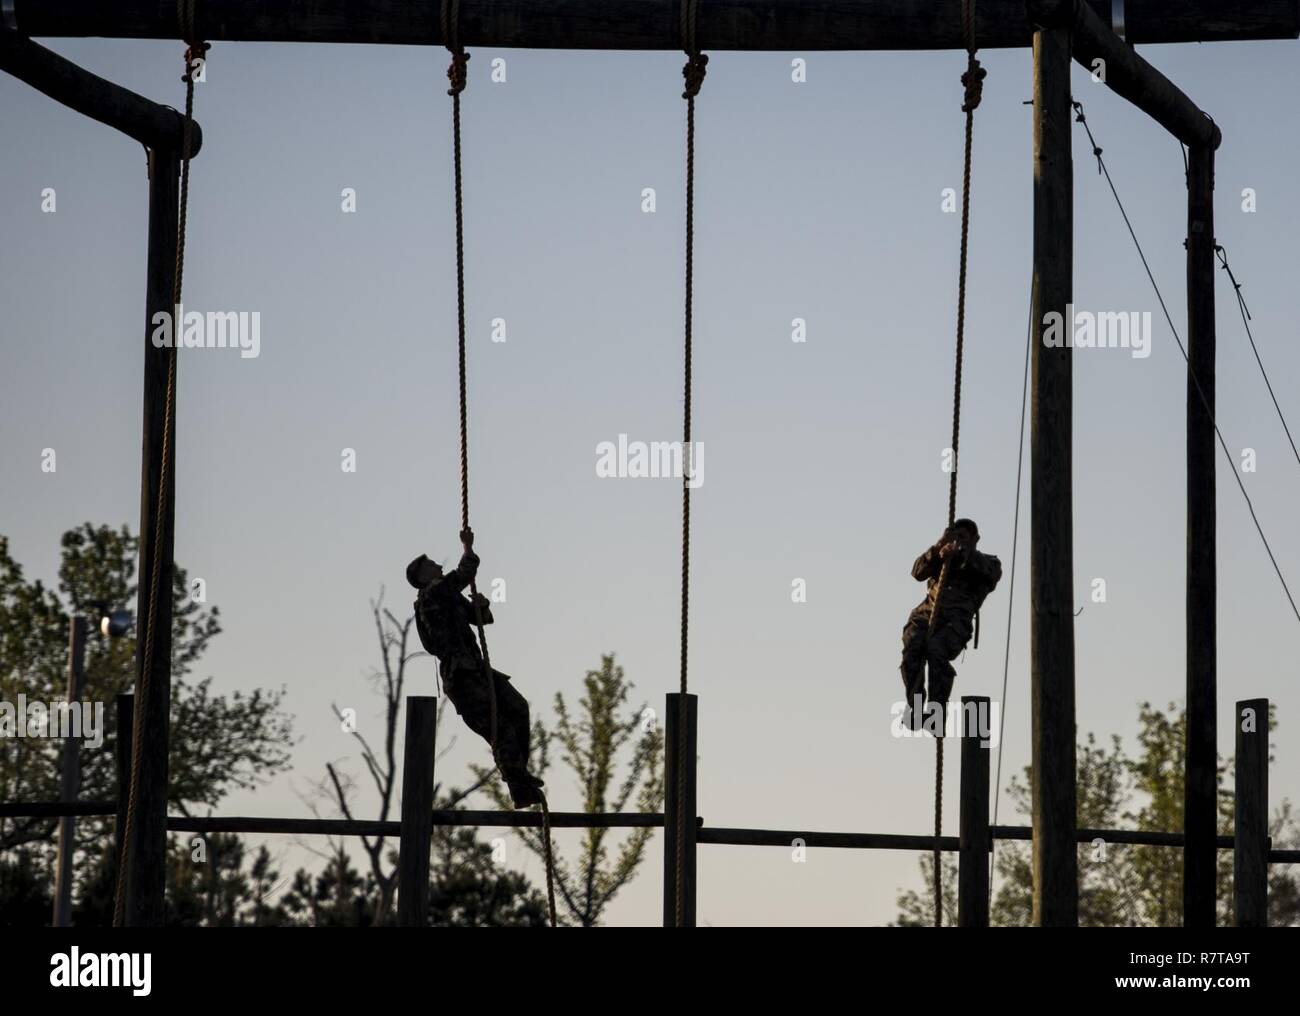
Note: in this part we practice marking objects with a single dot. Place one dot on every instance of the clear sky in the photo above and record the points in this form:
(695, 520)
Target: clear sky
(820, 200)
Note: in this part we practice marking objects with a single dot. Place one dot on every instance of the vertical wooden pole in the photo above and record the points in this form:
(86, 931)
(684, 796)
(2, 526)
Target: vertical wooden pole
(973, 859)
(417, 811)
(1250, 814)
(1055, 866)
(125, 725)
(1200, 808)
(671, 733)
(147, 844)
(71, 782)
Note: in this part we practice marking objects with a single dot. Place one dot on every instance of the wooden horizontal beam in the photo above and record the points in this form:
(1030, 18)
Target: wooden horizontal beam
(791, 25)
(348, 827)
(150, 123)
(611, 820)
(1135, 837)
(1125, 72)
(852, 841)
(606, 820)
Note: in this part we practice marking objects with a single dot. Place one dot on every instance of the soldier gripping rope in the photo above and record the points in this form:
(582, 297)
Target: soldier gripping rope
(445, 621)
(959, 579)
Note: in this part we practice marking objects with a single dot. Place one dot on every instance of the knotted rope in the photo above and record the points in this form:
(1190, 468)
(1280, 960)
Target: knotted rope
(693, 74)
(458, 78)
(973, 84)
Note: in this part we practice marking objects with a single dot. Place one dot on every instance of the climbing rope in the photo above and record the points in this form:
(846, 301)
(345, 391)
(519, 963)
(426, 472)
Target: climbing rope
(973, 84)
(693, 72)
(194, 51)
(1205, 402)
(458, 78)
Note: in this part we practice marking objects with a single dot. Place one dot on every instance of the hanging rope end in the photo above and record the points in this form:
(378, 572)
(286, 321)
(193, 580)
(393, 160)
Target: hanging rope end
(458, 73)
(973, 81)
(693, 72)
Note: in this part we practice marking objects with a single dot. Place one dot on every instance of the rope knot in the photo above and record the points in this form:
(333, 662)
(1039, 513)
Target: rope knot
(458, 73)
(694, 72)
(973, 80)
(195, 53)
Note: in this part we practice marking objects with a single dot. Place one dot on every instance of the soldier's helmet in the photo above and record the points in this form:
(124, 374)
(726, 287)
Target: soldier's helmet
(967, 524)
(419, 565)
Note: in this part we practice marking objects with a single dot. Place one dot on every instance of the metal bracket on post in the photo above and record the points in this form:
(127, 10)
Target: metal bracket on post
(1117, 18)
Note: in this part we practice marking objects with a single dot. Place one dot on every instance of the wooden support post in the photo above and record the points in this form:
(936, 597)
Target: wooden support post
(793, 25)
(417, 811)
(71, 782)
(147, 842)
(1200, 794)
(1250, 817)
(1051, 566)
(125, 725)
(973, 859)
(671, 734)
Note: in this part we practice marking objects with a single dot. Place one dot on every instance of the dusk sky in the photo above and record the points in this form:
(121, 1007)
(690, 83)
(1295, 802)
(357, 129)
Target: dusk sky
(819, 200)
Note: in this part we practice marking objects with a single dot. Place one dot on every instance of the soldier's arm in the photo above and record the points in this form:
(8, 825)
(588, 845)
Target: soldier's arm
(484, 613)
(463, 574)
(988, 567)
(927, 565)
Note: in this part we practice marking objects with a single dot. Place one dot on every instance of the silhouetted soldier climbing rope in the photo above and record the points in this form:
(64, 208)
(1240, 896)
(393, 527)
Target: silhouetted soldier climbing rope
(960, 578)
(445, 619)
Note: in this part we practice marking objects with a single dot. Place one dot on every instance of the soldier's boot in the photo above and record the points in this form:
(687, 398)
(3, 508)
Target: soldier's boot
(914, 697)
(525, 788)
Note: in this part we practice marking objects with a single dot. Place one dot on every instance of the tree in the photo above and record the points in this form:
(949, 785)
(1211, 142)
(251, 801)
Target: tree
(220, 742)
(1123, 885)
(590, 744)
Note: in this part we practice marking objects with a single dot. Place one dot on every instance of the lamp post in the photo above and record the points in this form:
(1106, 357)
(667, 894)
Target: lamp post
(111, 625)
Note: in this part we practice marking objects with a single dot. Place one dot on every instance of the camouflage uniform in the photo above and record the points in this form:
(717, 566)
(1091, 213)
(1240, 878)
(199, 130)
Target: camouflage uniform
(971, 577)
(444, 619)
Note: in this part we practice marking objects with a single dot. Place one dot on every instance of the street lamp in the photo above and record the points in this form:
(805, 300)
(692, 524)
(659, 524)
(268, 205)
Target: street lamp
(111, 625)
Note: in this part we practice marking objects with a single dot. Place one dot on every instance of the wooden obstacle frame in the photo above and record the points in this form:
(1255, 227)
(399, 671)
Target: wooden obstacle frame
(1060, 32)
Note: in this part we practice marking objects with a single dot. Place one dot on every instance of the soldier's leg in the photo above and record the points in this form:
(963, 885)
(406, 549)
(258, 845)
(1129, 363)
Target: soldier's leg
(514, 730)
(950, 637)
(468, 693)
(913, 665)
(468, 690)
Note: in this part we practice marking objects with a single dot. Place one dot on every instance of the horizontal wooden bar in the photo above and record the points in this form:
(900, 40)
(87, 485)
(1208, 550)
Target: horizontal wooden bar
(1126, 73)
(606, 820)
(792, 25)
(150, 123)
(348, 827)
(1135, 837)
(55, 809)
(853, 841)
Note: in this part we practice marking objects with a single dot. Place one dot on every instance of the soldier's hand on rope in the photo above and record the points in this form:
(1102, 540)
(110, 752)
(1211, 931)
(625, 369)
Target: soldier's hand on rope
(467, 538)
